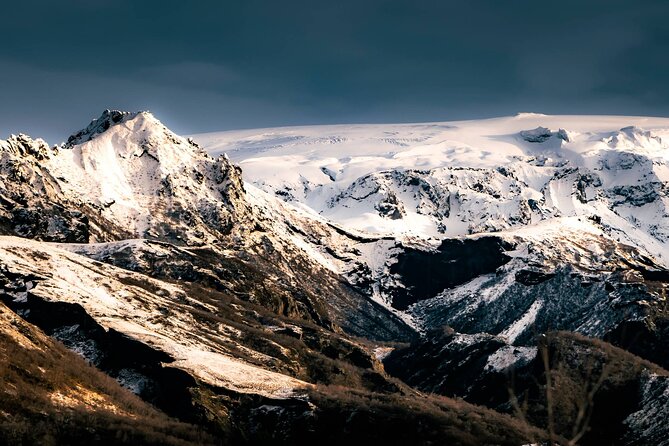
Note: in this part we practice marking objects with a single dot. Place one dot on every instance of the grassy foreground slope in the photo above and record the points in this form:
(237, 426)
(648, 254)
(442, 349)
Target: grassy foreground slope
(49, 395)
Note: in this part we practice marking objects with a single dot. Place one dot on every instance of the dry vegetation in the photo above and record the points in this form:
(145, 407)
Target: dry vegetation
(49, 395)
(373, 418)
(581, 389)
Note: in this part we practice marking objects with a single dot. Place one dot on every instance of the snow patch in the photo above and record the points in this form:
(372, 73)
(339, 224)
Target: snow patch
(508, 356)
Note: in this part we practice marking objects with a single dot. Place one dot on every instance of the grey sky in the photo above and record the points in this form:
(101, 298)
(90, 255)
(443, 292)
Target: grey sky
(215, 65)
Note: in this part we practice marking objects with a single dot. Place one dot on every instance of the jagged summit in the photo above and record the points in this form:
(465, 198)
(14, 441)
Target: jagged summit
(130, 176)
(24, 145)
(137, 134)
(99, 125)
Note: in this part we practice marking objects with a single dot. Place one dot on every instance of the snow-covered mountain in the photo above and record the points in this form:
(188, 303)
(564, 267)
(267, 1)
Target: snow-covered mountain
(452, 179)
(229, 278)
(125, 179)
(497, 229)
(563, 200)
(133, 177)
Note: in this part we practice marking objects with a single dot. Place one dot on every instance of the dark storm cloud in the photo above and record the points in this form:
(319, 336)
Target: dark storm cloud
(209, 65)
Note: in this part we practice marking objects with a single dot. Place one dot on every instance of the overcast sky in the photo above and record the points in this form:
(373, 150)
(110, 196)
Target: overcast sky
(216, 65)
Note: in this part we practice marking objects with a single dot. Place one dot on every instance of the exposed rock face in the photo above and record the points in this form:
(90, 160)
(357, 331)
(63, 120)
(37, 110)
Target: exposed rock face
(475, 367)
(540, 134)
(32, 201)
(391, 207)
(643, 426)
(542, 291)
(432, 194)
(426, 274)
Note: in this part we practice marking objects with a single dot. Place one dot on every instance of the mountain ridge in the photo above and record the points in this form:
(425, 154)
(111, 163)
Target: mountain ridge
(245, 303)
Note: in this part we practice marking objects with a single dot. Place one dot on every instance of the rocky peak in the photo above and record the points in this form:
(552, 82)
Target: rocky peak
(107, 119)
(542, 134)
(23, 145)
(149, 179)
(128, 175)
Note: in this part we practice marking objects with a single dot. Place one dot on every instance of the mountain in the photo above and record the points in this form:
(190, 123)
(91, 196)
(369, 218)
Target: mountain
(444, 180)
(342, 283)
(472, 224)
(149, 258)
(496, 230)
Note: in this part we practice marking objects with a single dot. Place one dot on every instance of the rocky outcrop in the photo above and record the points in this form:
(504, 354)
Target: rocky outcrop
(424, 274)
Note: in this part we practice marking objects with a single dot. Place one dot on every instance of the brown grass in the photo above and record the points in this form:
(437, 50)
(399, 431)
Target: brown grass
(414, 419)
(49, 395)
